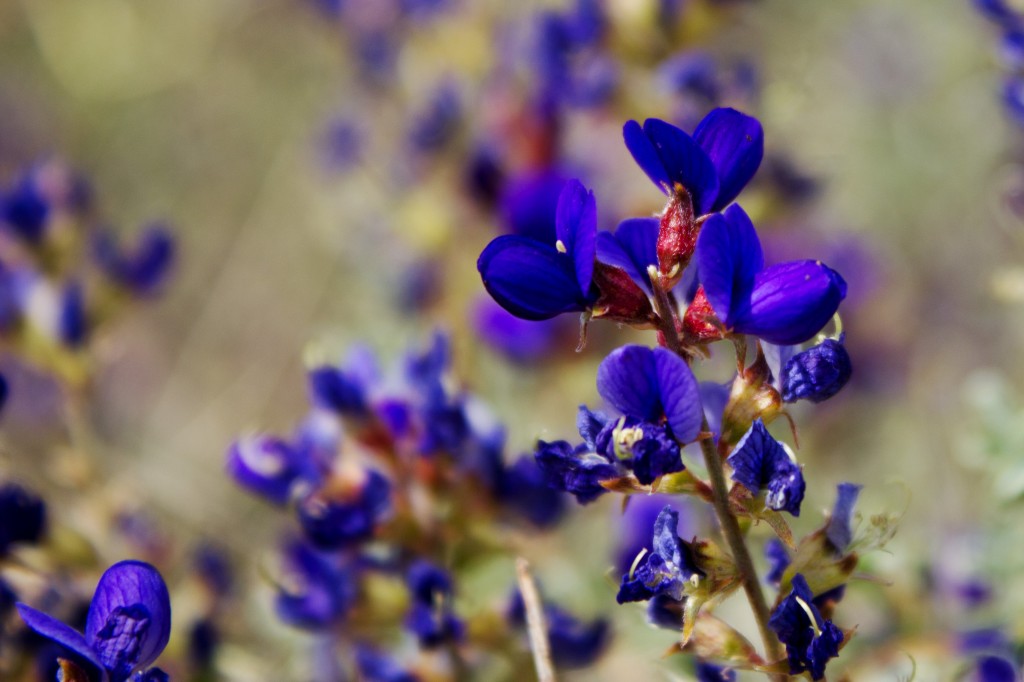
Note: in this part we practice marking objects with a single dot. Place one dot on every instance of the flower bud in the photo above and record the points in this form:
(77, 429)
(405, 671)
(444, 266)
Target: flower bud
(817, 373)
(677, 236)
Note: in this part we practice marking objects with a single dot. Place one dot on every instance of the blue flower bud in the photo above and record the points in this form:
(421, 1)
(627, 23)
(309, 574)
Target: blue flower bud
(817, 373)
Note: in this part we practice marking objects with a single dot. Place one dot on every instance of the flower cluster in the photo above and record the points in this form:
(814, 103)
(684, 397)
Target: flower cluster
(62, 272)
(697, 275)
(398, 483)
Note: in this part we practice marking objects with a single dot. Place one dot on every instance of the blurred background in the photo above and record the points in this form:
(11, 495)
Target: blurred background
(324, 173)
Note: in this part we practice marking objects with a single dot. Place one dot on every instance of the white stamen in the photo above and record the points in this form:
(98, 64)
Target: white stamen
(810, 615)
(636, 562)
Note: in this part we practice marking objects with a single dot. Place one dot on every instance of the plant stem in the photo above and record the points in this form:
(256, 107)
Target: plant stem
(720, 491)
(535, 625)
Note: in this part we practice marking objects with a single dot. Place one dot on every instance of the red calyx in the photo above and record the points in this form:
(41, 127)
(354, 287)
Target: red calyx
(700, 323)
(621, 299)
(677, 236)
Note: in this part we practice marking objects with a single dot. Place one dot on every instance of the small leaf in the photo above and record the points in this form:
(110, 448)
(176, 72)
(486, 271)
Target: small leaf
(715, 640)
(684, 483)
(747, 505)
(816, 560)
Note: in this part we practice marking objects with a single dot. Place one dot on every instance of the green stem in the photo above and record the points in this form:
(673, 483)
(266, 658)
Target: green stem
(720, 493)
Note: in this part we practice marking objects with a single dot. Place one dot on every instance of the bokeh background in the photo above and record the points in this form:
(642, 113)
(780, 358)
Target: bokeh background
(213, 116)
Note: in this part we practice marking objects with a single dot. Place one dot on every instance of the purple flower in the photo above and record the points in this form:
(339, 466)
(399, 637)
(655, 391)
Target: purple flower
(437, 123)
(693, 73)
(525, 489)
(576, 470)
(26, 210)
(571, 66)
(839, 531)
(375, 666)
(266, 466)
(665, 612)
(658, 395)
(22, 516)
(334, 389)
(652, 385)
(316, 589)
(817, 373)
(984, 640)
(784, 304)
(574, 642)
(760, 462)
(431, 617)
(537, 281)
(649, 450)
(529, 204)
(993, 669)
(664, 570)
(141, 268)
(517, 339)
(332, 523)
(636, 520)
(999, 11)
(713, 166)
(810, 639)
(128, 625)
(633, 247)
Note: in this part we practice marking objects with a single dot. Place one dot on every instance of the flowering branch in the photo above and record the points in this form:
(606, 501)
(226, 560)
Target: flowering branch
(720, 489)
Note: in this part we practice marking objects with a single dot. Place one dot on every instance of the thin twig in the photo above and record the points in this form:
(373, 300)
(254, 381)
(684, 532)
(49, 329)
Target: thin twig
(536, 628)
